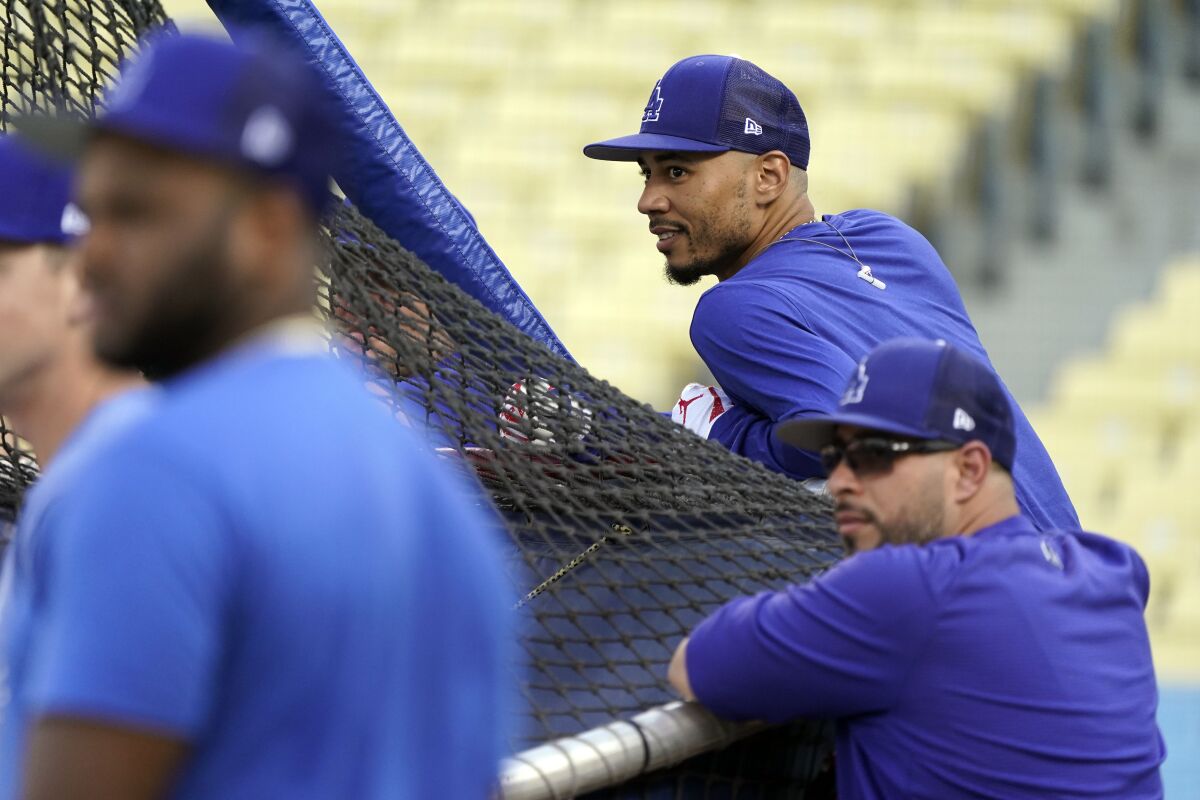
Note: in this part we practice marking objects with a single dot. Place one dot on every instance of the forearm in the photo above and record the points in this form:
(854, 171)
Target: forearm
(750, 434)
(70, 758)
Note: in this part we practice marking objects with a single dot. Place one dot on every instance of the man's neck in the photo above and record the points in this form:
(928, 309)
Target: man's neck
(775, 226)
(995, 505)
(55, 401)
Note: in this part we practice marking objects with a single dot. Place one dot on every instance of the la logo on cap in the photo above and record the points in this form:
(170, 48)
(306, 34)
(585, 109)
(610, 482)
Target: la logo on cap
(655, 105)
(858, 386)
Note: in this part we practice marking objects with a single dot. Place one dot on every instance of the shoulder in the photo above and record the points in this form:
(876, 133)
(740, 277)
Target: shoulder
(1104, 554)
(867, 219)
(743, 301)
(880, 575)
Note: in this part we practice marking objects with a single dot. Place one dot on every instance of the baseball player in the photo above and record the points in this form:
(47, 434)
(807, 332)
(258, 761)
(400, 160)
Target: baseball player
(49, 378)
(271, 589)
(724, 149)
(53, 390)
(962, 652)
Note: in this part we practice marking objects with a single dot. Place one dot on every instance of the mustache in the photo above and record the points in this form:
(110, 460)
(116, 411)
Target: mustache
(666, 223)
(850, 508)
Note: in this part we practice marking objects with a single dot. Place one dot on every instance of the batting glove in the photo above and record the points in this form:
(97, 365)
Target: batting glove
(532, 407)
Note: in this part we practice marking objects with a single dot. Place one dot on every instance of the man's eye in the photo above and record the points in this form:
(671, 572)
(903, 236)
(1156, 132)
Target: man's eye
(677, 172)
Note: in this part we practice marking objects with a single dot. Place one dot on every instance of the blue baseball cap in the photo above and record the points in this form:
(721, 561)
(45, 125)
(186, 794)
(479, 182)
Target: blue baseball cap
(712, 104)
(35, 197)
(255, 106)
(922, 389)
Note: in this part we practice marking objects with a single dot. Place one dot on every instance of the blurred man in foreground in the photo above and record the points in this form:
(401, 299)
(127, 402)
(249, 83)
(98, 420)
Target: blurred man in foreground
(271, 590)
(962, 652)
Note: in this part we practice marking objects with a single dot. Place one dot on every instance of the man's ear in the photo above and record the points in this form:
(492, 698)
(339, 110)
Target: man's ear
(973, 462)
(772, 176)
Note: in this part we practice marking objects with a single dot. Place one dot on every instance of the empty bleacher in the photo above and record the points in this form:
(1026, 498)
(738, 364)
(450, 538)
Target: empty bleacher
(1123, 426)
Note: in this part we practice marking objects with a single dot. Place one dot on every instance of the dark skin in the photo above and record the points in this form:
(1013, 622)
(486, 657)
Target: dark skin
(75, 758)
(184, 259)
(185, 256)
(713, 213)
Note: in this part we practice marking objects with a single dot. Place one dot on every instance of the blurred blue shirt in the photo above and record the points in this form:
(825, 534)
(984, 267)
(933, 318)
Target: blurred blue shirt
(77, 462)
(273, 569)
(1003, 664)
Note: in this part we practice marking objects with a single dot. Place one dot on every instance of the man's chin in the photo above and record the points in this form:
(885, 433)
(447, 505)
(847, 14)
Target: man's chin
(686, 275)
(860, 539)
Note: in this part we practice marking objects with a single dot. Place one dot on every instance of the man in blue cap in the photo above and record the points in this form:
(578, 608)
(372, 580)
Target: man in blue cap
(962, 652)
(271, 589)
(54, 392)
(724, 149)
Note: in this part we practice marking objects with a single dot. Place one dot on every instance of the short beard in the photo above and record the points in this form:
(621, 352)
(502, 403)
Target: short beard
(923, 521)
(691, 272)
(729, 240)
(921, 526)
(187, 322)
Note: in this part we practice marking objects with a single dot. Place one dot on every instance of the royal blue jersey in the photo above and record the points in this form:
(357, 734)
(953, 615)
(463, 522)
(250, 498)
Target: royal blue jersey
(271, 568)
(783, 335)
(1005, 664)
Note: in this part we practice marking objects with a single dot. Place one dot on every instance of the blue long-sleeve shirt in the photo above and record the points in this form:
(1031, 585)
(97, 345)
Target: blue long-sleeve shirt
(1007, 664)
(783, 335)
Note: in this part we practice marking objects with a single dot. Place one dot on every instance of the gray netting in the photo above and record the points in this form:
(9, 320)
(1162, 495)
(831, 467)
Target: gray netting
(623, 530)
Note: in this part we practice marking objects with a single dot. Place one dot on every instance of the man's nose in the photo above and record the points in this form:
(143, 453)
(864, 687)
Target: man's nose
(653, 201)
(841, 480)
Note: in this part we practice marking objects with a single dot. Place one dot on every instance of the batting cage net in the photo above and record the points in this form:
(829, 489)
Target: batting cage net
(623, 529)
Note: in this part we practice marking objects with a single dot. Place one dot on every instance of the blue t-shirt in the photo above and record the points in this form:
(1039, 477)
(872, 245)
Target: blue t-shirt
(77, 462)
(273, 569)
(1006, 664)
(784, 334)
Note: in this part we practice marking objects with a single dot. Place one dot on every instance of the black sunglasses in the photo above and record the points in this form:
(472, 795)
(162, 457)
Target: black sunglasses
(875, 455)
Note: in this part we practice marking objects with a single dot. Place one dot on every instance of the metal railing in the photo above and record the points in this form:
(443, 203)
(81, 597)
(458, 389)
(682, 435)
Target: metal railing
(611, 754)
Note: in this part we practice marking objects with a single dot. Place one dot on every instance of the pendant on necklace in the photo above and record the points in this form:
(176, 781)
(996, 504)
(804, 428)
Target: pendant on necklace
(866, 275)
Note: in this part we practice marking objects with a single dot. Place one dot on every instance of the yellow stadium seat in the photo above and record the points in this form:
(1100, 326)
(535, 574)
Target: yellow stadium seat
(1025, 36)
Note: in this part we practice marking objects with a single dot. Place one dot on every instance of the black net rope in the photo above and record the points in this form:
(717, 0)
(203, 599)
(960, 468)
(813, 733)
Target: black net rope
(622, 530)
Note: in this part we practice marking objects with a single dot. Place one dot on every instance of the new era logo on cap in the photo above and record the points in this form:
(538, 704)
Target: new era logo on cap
(753, 128)
(962, 421)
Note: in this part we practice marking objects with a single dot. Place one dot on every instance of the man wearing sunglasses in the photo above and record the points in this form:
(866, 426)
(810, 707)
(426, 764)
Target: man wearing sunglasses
(962, 652)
